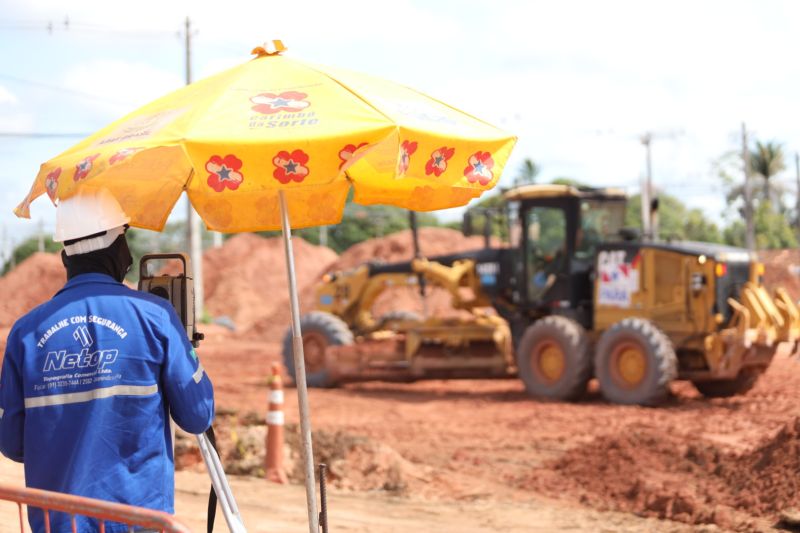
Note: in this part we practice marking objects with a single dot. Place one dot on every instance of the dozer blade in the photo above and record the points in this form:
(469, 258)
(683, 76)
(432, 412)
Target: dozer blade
(764, 314)
(791, 316)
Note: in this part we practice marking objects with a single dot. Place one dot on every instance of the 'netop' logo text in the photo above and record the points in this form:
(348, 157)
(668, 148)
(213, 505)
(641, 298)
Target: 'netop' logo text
(63, 361)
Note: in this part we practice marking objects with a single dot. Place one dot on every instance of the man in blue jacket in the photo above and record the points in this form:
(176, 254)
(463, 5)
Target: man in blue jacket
(90, 378)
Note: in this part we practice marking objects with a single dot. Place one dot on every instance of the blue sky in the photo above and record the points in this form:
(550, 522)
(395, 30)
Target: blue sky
(577, 82)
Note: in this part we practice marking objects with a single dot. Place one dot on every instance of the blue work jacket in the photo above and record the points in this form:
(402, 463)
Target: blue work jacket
(89, 380)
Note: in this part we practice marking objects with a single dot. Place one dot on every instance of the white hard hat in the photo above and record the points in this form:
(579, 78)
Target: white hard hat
(89, 213)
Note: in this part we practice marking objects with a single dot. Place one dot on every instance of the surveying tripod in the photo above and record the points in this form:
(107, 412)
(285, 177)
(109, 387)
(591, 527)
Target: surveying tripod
(179, 290)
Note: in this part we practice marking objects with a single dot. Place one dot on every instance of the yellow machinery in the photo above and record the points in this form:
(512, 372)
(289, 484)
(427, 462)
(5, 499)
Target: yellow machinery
(573, 295)
(343, 341)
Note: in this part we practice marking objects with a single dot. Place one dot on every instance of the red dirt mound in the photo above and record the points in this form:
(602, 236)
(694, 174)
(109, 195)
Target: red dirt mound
(31, 283)
(782, 269)
(395, 247)
(245, 279)
(660, 474)
(399, 247)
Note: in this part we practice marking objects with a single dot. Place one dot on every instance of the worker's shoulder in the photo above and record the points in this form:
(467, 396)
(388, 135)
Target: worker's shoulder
(105, 289)
(28, 320)
(145, 299)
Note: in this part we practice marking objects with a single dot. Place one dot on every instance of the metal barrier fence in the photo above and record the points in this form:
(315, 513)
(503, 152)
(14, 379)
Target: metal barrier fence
(88, 507)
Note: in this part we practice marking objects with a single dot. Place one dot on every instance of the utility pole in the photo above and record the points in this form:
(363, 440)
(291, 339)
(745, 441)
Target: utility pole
(323, 236)
(5, 250)
(649, 197)
(648, 232)
(797, 204)
(192, 218)
(750, 232)
(40, 235)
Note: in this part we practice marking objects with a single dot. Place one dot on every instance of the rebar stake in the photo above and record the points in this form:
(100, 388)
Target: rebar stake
(323, 499)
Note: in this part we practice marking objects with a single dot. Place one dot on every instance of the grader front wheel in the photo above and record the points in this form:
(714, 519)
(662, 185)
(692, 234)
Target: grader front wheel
(635, 363)
(320, 331)
(554, 360)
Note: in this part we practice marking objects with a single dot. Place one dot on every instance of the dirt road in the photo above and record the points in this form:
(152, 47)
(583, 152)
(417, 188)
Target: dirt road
(480, 455)
(272, 508)
(487, 443)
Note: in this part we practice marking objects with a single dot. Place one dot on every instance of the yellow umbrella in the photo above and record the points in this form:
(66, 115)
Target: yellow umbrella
(235, 140)
(276, 143)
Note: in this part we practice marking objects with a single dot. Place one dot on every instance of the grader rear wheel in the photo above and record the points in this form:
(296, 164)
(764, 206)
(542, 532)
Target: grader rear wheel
(554, 358)
(320, 331)
(635, 363)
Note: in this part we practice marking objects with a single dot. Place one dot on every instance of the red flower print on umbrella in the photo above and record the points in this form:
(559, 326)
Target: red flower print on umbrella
(346, 153)
(224, 172)
(122, 154)
(51, 182)
(407, 149)
(290, 166)
(437, 164)
(271, 103)
(480, 168)
(83, 168)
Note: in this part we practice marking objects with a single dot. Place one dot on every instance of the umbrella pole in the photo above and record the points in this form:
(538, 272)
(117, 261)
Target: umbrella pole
(300, 370)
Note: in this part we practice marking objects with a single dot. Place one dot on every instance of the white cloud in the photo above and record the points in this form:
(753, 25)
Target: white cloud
(7, 97)
(577, 81)
(120, 86)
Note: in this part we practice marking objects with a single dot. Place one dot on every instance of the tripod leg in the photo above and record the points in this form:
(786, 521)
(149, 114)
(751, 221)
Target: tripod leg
(220, 482)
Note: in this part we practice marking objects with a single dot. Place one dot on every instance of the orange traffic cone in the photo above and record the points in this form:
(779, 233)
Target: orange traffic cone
(274, 440)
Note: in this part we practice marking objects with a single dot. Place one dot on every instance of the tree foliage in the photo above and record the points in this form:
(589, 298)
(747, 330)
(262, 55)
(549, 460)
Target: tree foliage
(360, 223)
(676, 221)
(27, 248)
(772, 220)
(527, 173)
(767, 160)
(488, 208)
(772, 230)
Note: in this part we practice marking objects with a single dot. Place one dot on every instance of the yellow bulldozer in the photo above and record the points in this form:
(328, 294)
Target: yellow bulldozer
(573, 295)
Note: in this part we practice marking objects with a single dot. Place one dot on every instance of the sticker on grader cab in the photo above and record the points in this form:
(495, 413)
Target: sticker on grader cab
(617, 278)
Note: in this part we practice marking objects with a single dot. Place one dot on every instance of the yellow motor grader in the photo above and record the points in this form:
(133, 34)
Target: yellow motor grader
(572, 296)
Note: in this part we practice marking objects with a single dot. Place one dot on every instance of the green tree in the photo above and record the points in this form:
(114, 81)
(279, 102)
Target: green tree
(362, 222)
(771, 217)
(27, 248)
(489, 207)
(568, 181)
(527, 173)
(767, 160)
(141, 242)
(495, 204)
(676, 221)
(772, 230)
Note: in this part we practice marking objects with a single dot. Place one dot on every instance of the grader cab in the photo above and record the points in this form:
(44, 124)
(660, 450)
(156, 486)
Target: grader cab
(573, 295)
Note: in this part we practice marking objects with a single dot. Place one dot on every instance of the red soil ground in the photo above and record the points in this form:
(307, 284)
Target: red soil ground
(730, 462)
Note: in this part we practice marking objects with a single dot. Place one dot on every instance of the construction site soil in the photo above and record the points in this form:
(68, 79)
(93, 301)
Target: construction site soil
(721, 464)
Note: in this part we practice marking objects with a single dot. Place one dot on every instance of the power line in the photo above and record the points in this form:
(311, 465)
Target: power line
(82, 28)
(61, 90)
(40, 135)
